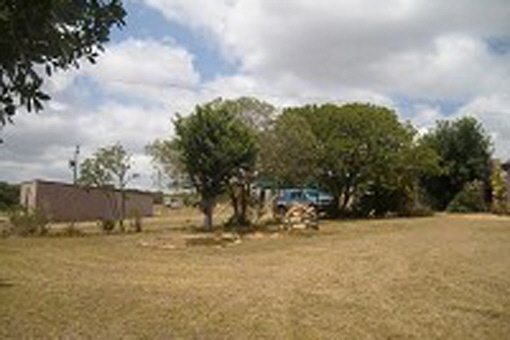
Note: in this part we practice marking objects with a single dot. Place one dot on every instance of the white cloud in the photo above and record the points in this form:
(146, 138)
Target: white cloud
(425, 116)
(297, 51)
(288, 90)
(429, 48)
(145, 68)
(494, 113)
(456, 66)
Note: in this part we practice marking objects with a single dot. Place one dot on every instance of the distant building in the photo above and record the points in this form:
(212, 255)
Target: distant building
(67, 202)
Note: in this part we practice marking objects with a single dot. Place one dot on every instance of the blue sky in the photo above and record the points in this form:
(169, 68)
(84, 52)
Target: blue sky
(427, 59)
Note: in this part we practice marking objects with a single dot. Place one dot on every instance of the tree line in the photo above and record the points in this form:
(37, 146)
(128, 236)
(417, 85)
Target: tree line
(362, 154)
(373, 163)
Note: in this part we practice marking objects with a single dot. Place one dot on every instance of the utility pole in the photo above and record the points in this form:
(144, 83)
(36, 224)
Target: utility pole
(73, 164)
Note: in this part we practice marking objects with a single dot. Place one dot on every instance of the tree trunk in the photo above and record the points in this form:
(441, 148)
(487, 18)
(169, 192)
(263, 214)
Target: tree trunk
(345, 201)
(235, 203)
(207, 209)
(243, 220)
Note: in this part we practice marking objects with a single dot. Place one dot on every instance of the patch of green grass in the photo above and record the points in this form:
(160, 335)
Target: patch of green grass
(442, 277)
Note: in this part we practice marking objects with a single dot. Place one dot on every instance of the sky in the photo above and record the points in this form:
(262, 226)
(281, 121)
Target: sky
(426, 59)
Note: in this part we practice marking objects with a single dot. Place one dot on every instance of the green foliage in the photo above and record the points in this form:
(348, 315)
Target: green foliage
(25, 223)
(465, 151)
(258, 117)
(107, 225)
(213, 146)
(9, 196)
(470, 199)
(289, 151)
(499, 203)
(166, 160)
(255, 114)
(364, 150)
(108, 166)
(44, 36)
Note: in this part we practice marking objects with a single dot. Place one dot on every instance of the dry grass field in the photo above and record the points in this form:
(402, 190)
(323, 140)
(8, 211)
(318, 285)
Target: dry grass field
(445, 277)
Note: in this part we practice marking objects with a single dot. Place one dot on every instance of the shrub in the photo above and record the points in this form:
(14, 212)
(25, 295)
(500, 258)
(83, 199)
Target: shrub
(470, 199)
(499, 208)
(107, 225)
(417, 210)
(499, 204)
(70, 231)
(24, 222)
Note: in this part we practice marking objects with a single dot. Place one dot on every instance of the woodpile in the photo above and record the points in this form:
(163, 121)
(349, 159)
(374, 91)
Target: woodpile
(300, 216)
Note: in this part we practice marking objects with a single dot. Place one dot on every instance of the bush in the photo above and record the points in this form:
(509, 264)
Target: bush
(499, 208)
(9, 196)
(24, 222)
(470, 199)
(417, 210)
(107, 225)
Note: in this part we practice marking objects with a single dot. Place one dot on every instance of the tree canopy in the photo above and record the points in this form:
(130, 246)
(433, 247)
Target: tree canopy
(362, 147)
(464, 148)
(108, 166)
(42, 36)
(289, 151)
(213, 146)
(362, 154)
(9, 195)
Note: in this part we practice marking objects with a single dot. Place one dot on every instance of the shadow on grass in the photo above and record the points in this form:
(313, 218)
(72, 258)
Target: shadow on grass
(5, 283)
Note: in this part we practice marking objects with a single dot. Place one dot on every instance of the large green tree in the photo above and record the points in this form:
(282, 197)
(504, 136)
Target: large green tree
(258, 116)
(43, 36)
(214, 146)
(290, 151)
(363, 148)
(465, 151)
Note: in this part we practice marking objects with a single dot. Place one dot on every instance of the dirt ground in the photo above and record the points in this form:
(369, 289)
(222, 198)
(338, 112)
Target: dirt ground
(442, 277)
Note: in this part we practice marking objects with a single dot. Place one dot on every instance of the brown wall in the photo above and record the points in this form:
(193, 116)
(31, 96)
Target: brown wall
(65, 202)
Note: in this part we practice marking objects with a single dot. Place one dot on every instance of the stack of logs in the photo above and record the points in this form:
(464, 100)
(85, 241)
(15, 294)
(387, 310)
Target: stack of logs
(300, 216)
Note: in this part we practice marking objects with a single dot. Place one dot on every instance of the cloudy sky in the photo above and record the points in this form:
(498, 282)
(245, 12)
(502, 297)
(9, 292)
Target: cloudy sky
(427, 59)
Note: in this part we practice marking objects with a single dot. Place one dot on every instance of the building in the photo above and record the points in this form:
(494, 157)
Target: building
(68, 202)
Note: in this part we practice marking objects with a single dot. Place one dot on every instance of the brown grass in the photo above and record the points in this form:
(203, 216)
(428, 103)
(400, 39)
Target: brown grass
(442, 277)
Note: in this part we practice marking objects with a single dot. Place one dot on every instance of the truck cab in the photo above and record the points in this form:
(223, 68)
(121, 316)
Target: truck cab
(307, 196)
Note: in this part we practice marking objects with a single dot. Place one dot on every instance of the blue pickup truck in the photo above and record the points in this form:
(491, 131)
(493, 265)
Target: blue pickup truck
(312, 197)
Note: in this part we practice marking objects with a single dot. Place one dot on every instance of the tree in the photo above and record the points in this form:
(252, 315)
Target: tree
(363, 148)
(499, 194)
(470, 199)
(109, 167)
(290, 151)
(44, 36)
(213, 146)
(166, 160)
(465, 151)
(9, 195)
(399, 191)
(258, 116)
